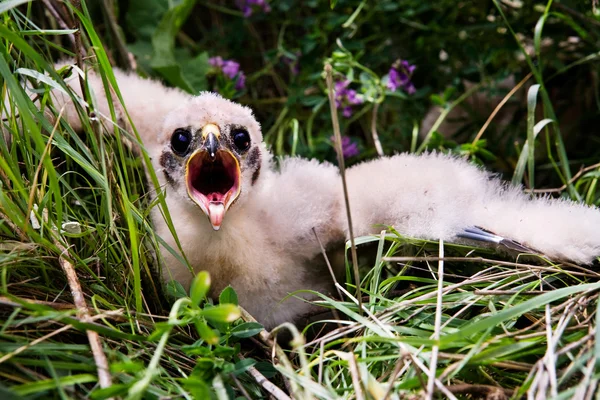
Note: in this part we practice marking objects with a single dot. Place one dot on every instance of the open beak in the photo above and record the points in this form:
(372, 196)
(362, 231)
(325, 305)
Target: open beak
(213, 176)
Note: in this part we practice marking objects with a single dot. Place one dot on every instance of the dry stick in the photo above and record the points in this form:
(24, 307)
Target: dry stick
(374, 134)
(49, 335)
(13, 226)
(335, 282)
(438, 324)
(59, 19)
(563, 187)
(355, 375)
(34, 342)
(83, 313)
(240, 387)
(489, 260)
(266, 384)
(113, 25)
(551, 357)
(340, 157)
(38, 169)
(278, 355)
(499, 106)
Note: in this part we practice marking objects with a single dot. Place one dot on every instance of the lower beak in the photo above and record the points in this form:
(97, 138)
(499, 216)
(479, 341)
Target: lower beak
(213, 181)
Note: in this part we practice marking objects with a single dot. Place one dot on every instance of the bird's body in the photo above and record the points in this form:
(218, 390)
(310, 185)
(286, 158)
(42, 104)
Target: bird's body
(259, 236)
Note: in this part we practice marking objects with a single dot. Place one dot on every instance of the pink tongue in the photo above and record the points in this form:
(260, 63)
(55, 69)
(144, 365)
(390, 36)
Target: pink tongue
(216, 211)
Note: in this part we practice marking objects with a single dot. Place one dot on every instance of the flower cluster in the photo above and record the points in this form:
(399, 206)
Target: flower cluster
(230, 69)
(349, 148)
(400, 77)
(345, 98)
(249, 6)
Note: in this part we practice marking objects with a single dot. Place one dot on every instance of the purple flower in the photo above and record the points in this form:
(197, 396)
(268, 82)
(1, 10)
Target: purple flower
(349, 148)
(216, 62)
(231, 70)
(293, 62)
(345, 98)
(400, 76)
(240, 84)
(249, 6)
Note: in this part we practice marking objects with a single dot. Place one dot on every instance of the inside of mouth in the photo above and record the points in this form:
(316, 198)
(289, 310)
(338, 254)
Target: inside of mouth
(213, 181)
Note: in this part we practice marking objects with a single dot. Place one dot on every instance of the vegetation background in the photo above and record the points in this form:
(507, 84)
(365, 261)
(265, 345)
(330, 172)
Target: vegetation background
(509, 84)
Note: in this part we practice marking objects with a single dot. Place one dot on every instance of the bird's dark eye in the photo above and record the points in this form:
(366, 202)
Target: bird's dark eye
(180, 141)
(241, 139)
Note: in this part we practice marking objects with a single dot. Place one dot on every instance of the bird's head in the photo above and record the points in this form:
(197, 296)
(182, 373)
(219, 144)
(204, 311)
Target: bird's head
(213, 153)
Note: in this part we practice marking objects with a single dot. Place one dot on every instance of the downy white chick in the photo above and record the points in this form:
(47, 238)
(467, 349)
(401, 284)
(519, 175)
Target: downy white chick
(250, 225)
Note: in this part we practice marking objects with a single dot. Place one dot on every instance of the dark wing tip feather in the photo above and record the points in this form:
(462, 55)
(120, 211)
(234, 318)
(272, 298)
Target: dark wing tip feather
(483, 235)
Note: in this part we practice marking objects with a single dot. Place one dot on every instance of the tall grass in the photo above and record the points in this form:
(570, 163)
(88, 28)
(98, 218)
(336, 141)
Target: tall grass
(472, 325)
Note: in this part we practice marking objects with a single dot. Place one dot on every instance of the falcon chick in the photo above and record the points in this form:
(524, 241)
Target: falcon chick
(250, 225)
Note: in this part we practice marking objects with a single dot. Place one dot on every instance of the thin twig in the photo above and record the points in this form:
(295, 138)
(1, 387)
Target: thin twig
(58, 17)
(563, 187)
(550, 358)
(79, 50)
(13, 227)
(438, 323)
(278, 356)
(499, 106)
(266, 384)
(127, 59)
(355, 375)
(54, 333)
(374, 133)
(576, 13)
(104, 377)
(34, 182)
(489, 260)
(240, 387)
(328, 263)
(340, 157)
(39, 340)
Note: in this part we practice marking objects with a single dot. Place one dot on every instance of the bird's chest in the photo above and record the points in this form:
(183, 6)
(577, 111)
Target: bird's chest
(240, 255)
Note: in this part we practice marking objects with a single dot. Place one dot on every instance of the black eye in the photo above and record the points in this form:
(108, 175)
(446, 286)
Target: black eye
(180, 141)
(241, 139)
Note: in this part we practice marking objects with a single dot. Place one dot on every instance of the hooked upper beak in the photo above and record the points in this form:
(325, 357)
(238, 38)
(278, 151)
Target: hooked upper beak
(213, 176)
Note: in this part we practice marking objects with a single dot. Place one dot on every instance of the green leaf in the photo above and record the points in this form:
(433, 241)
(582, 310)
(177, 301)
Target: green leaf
(247, 329)
(10, 4)
(206, 333)
(222, 313)
(198, 389)
(159, 329)
(194, 71)
(48, 384)
(130, 367)
(144, 16)
(267, 369)
(243, 366)
(199, 287)
(228, 296)
(175, 290)
(163, 42)
(114, 390)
